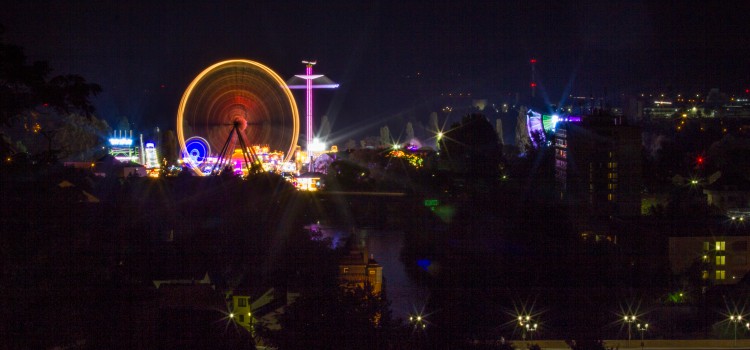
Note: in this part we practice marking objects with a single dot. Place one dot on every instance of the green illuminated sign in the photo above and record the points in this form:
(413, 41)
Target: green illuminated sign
(431, 202)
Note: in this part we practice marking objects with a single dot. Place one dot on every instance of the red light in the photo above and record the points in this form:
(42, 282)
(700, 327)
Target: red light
(533, 84)
(747, 91)
(533, 60)
(699, 160)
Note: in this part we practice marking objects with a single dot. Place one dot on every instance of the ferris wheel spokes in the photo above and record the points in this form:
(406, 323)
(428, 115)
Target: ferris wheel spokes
(249, 157)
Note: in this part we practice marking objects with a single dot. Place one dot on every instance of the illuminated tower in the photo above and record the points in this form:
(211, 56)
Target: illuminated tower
(533, 77)
(321, 82)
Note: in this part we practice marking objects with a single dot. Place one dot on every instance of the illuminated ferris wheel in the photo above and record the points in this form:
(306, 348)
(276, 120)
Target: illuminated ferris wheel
(230, 108)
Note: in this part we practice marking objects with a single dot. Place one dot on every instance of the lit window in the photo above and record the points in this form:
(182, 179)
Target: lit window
(704, 275)
(706, 246)
(721, 260)
(721, 246)
(346, 270)
(611, 197)
(721, 274)
(372, 272)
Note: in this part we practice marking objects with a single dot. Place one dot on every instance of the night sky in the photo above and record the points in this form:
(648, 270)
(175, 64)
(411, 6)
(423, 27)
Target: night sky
(393, 59)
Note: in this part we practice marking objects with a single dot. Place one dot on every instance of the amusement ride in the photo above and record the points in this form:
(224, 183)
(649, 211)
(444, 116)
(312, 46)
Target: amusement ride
(245, 112)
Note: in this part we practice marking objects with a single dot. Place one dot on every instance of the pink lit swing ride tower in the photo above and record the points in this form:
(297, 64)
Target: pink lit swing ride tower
(312, 81)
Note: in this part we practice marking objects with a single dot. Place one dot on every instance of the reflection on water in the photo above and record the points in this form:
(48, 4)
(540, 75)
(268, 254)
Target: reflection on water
(385, 246)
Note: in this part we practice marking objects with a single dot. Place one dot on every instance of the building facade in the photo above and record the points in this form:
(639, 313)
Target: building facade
(356, 270)
(718, 259)
(598, 166)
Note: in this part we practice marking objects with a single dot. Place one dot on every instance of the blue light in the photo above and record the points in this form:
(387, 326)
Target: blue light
(196, 149)
(424, 263)
(120, 142)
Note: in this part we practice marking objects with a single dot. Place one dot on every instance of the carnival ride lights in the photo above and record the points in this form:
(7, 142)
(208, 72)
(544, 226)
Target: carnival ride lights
(197, 150)
(308, 86)
(152, 159)
(535, 127)
(545, 125)
(234, 104)
(121, 146)
(307, 183)
(120, 142)
(316, 146)
(413, 159)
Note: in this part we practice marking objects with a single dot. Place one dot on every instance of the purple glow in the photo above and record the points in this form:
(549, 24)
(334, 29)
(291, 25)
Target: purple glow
(308, 113)
(309, 76)
(309, 86)
(319, 86)
(573, 119)
(535, 128)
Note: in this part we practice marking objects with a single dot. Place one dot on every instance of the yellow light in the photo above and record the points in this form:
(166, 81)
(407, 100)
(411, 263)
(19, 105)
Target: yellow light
(235, 62)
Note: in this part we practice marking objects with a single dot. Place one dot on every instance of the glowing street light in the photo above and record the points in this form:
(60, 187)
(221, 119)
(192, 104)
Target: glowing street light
(629, 319)
(735, 319)
(524, 321)
(642, 328)
(418, 321)
(531, 329)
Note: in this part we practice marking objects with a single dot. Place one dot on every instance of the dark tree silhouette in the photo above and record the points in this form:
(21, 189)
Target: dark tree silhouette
(472, 147)
(25, 87)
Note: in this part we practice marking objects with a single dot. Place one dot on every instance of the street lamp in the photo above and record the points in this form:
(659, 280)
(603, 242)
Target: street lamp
(418, 321)
(735, 319)
(524, 322)
(629, 319)
(531, 329)
(642, 328)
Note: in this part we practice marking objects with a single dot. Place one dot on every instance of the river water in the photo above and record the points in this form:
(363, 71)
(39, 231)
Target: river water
(406, 296)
